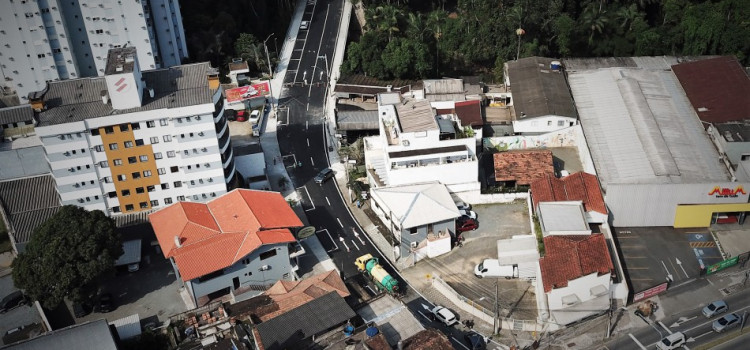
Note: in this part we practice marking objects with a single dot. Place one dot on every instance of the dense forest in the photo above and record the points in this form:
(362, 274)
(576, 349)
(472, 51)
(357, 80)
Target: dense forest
(415, 39)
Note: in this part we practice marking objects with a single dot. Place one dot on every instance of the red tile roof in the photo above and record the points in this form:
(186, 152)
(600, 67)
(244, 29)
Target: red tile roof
(470, 112)
(219, 233)
(579, 186)
(291, 294)
(569, 257)
(718, 85)
(523, 167)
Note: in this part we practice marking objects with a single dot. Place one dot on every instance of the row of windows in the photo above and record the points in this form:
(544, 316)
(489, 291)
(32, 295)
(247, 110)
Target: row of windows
(87, 199)
(167, 201)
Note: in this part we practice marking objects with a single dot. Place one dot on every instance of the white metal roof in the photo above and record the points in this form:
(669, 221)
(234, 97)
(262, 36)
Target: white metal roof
(131, 253)
(562, 216)
(640, 127)
(127, 327)
(418, 204)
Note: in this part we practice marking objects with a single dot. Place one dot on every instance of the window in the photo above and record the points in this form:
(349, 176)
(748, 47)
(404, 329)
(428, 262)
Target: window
(140, 190)
(139, 142)
(745, 157)
(161, 171)
(167, 138)
(109, 130)
(158, 155)
(99, 148)
(136, 175)
(154, 139)
(94, 132)
(549, 123)
(129, 207)
(144, 158)
(112, 146)
(116, 209)
(165, 186)
(413, 230)
(187, 119)
(150, 124)
(99, 31)
(135, 126)
(170, 154)
(108, 179)
(560, 123)
(124, 127)
(147, 173)
(144, 205)
(174, 169)
(186, 152)
(164, 122)
(112, 194)
(104, 164)
(180, 198)
(128, 144)
(132, 160)
(117, 162)
(125, 193)
(168, 200)
(122, 177)
(150, 188)
(269, 254)
(177, 184)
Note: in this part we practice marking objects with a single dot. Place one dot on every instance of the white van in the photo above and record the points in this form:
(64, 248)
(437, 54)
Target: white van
(492, 268)
(254, 116)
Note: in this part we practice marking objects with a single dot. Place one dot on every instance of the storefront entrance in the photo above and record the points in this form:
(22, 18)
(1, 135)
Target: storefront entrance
(704, 215)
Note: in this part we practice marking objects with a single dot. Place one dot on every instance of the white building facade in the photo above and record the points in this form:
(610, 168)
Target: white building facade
(122, 148)
(48, 40)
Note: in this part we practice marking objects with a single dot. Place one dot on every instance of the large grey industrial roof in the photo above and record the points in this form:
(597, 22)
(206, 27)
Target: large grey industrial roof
(302, 322)
(29, 202)
(94, 335)
(79, 99)
(23, 162)
(357, 120)
(537, 90)
(640, 127)
(16, 114)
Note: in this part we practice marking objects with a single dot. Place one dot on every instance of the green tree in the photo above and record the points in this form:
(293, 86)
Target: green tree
(251, 50)
(563, 28)
(66, 256)
(594, 21)
(499, 71)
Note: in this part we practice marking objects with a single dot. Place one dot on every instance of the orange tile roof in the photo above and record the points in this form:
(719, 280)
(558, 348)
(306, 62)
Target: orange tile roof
(291, 294)
(219, 233)
(569, 257)
(523, 167)
(580, 186)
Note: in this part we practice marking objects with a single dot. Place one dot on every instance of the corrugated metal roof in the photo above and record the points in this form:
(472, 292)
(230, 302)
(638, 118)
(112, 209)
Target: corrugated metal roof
(537, 90)
(26, 222)
(418, 204)
(640, 127)
(94, 335)
(79, 99)
(16, 114)
(416, 115)
(23, 162)
(357, 120)
(127, 327)
(136, 218)
(562, 216)
(29, 202)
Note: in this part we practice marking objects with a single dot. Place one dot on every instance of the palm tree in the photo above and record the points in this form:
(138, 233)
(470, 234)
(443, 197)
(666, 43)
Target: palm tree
(385, 19)
(627, 15)
(595, 21)
(417, 26)
(434, 20)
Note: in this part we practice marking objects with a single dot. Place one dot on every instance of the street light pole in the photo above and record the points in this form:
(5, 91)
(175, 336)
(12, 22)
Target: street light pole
(270, 71)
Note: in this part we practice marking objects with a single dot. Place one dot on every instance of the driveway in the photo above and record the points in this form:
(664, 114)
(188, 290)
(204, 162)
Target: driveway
(516, 298)
(21, 316)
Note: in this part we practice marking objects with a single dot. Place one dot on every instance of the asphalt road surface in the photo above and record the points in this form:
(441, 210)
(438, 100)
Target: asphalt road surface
(303, 146)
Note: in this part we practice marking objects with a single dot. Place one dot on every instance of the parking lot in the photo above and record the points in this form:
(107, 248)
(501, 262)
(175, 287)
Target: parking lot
(26, 316)
(516, 298)
(653, 253)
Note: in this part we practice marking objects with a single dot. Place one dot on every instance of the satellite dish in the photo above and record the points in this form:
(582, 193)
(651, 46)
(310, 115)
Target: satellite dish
(306, 232)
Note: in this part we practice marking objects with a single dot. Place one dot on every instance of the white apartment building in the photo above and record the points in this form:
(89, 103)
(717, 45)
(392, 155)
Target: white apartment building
(132, 140)
(48, 40)
(415, 145)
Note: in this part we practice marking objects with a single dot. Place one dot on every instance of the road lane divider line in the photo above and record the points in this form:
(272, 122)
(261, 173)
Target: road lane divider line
(665, 327)
(636, 341)
(329, 202)
(312, 162)
(355, 245)
(340, 224)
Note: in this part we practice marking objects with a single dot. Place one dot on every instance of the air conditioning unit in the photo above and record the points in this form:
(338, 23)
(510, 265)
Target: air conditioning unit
(61, 137)
(201, 133)
(213, 194)
(76, 185)
(413, 245)
(197, 117)
(204, 149)
(71, 169)
(264, 268)
(67, 154)
(211, 180)
(80, 200)
(207, 165)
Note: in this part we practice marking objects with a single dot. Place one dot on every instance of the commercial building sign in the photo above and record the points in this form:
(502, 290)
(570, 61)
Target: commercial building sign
(243, 93)
(722, 265)
(727, 192)
(650, 292)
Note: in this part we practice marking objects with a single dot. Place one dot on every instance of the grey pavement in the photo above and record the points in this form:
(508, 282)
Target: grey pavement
(392, 317)
(20, 316)
(733, 238)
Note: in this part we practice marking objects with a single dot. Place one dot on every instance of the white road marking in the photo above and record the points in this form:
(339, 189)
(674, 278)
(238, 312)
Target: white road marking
(459, 343)
(307, 32)
(308, 142)
(665, 327)
(698, 336)
(336, 246)
(344, 243)
(308, 196)
(320, 44)
(355, 245)
(306, 122)
(423, 315)
(308, 106)
(329, 202)
(312, 162)
(340, 224)
(636, 341)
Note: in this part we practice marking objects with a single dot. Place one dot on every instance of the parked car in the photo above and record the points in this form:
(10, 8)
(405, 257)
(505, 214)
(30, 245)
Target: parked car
(467, 224)
(463, 205)
(715, 308)
(105, 303)
(12, 301)
(324, 175)
(475, 341)
(726, 323)
(241, 116)
(81, 309)
(468, 213)
(672, 341)
(231, 114)
(492, 268)
(444, 315)
(303, 25)
(254, 116)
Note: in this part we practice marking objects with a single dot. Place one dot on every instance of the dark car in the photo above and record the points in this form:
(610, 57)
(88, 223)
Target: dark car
(81, 309)
(231, 114)
(466, 224)
(12, 301)
(475, 341)
(324, 175)
(105, 303)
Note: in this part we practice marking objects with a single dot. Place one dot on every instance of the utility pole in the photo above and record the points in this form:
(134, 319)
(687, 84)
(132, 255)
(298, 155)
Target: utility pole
(270, 71)
(494, 318)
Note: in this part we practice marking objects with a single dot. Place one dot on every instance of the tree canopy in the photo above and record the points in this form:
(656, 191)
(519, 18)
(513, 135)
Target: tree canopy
(452, 37)
(66, 255)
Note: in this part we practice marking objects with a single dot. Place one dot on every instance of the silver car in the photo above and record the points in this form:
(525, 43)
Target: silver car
(726, 323)
(715, 308)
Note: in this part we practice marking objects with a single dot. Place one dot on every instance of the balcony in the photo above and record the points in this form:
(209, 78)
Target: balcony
(296, 249)
(432, 162)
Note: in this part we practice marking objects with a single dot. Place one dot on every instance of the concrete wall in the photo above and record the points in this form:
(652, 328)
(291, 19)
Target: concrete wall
(279, 267)
(446, 226)
(542, 124)
(581, 287)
